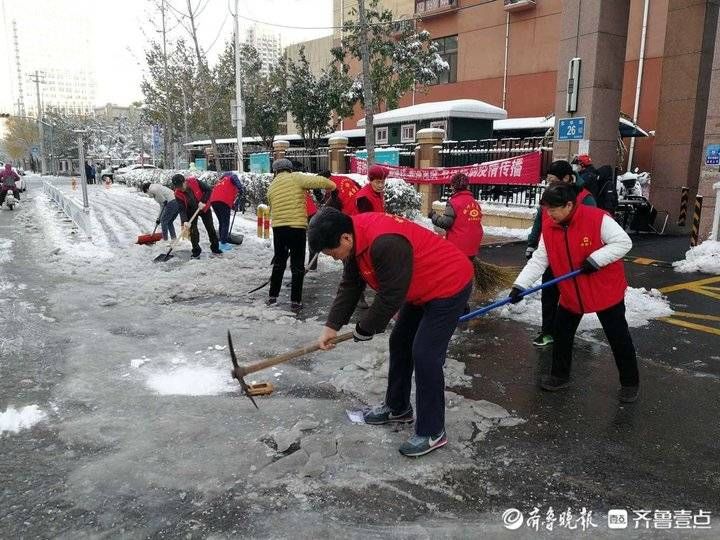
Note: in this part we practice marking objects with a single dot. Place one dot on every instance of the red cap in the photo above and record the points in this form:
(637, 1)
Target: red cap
(584, 160)
(376, 172)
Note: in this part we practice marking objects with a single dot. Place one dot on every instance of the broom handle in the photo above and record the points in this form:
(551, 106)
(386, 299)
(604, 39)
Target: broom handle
(264, 364)
(504, 301)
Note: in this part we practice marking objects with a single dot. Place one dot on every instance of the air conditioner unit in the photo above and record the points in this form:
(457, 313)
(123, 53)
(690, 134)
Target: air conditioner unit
(518, 5)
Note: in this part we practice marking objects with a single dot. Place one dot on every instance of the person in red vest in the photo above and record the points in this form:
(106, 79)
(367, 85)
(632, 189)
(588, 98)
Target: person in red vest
(462, 218)
(343, 196)
(222, 199)
(575, 236)
(371, 197)
(417, 272)
(192, 194)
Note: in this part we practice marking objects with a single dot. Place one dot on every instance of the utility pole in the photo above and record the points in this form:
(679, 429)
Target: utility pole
(168, 119)
(83, 177)
(367, 84)
(43, 161)
(238, 94)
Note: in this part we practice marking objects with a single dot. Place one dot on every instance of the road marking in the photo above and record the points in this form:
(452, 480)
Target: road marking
(689, 315)
(691, 285)
(692, 326)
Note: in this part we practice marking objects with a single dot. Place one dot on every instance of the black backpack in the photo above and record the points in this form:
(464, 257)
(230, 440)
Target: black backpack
(606, 190)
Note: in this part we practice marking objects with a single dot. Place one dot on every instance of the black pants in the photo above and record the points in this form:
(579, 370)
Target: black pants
(618, 335)
(207, 220)
(419, 342)
(222, 211)
(549, 298)
(288, 240)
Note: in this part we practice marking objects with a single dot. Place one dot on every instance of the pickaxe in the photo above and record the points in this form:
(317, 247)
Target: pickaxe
(239, 372)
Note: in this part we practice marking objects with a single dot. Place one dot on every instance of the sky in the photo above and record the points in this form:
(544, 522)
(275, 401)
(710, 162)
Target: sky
(120, 29)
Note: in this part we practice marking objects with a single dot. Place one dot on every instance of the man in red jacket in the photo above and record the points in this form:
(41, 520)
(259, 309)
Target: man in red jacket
(416, 272)
(223, 199)
(575, 236)
(462, 218)
(371, 197)
(192, 194)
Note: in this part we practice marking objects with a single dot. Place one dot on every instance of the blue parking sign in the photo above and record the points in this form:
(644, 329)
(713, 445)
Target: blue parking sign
(571, 129)
(712, 154)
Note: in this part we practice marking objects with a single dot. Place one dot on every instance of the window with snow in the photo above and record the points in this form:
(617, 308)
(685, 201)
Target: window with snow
(381, 135)
(440, 124)
(407, 133)
(448, 51)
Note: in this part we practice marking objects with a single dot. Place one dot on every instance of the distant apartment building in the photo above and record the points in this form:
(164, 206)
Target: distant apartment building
(268, 46)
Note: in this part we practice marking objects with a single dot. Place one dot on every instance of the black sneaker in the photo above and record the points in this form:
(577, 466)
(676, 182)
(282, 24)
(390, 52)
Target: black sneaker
(552, 383)
(628, 394)
(271, 301)
(418, 445)
(543, 340)
(296, 307)
(383, 415)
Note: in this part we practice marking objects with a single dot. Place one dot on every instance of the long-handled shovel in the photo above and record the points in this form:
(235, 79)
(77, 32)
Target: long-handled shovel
(239, 372)
(163, 257)
(268, 281)
(145, 239)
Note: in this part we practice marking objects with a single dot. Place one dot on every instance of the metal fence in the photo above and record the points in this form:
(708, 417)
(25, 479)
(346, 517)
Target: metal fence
(507, 194)
(70, 207)
(312, 160)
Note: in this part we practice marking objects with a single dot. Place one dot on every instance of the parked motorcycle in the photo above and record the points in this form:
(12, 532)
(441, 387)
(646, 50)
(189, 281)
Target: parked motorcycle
(635, 184)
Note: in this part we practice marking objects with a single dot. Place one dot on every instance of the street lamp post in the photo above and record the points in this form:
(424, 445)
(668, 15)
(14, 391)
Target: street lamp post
(83, 176)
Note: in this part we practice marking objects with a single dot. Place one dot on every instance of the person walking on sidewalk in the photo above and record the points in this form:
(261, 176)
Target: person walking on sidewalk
(192, 194)
(169, 207)
(462, 218)
(222, 200)
(418, 275)
(577, 236)
(288, 213)
(370, 198)
(559, 171)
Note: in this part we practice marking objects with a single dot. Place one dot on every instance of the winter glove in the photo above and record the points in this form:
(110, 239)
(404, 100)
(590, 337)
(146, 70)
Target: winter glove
(589, 266)
(361, 335)
(515, 295)
(529, 252)
(157, 221)
(430, 214)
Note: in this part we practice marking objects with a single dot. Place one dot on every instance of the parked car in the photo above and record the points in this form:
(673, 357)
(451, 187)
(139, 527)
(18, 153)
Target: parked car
(134, 167)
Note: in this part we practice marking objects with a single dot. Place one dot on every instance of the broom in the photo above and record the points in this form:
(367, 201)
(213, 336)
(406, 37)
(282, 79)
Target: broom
(490, 278)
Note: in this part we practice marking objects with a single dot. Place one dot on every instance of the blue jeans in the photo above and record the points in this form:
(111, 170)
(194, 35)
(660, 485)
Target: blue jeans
(419, 342)
(169, 213)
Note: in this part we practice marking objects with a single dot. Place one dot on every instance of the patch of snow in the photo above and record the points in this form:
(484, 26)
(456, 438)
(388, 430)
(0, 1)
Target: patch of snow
(6, 254)
(642, 305)
(13, 420)
(702, 258)
(455, 108)
(505, 232)
(192, 381)
(135, 363)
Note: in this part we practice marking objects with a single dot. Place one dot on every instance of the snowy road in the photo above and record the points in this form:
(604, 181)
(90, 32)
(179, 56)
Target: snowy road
(118, 415)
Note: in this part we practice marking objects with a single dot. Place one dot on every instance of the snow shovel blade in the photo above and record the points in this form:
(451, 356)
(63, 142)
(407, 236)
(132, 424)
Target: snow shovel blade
(145, 239)
(236, 239)
(164, 257)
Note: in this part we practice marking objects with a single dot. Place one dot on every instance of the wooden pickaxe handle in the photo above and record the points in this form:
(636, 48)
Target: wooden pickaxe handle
(275, 360)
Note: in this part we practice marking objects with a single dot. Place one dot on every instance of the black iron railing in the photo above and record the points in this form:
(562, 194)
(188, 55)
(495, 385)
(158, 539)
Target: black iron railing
(507, 194)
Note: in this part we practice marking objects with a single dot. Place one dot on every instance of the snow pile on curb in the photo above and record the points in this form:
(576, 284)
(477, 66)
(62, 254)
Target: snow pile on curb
(505, 232)
(703, 258)
(642, 305)
(14, 420)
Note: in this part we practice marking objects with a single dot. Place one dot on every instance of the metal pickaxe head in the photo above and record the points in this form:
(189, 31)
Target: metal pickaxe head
(237, 372)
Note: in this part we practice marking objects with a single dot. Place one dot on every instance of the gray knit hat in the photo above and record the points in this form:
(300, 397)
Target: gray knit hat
(282, 164)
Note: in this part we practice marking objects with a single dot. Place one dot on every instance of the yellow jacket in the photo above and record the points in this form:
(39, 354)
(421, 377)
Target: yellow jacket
(286, 196)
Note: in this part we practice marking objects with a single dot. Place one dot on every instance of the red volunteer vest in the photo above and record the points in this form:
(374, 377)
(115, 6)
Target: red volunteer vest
(195, 188)
(440, 270)
(376, 199)
(224, 191)
(346, 189)
(567, 247)
(466, 232)
(310, 206)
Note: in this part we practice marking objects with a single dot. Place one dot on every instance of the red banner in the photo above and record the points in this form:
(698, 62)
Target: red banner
(523, 169)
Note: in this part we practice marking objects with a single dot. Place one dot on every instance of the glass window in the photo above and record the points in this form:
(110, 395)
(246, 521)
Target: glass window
(381, 135)
(407, 135)
(448, 51)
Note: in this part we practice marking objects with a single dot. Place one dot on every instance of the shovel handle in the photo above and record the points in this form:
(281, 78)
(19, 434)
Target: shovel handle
(275, 360)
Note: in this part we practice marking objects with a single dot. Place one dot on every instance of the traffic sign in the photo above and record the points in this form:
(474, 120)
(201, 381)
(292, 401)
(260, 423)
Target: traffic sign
(571, 129)
(35, 151)
(712, 154)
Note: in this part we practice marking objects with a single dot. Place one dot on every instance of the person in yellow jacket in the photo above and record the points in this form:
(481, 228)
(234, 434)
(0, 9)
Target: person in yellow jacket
(286, 196)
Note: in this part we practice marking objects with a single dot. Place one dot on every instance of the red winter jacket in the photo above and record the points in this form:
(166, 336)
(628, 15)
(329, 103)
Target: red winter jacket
(567, 246)
(466, 231)
(346, 189)
(198, 195)
(375, 199)
(440, 270)
(224, 191)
